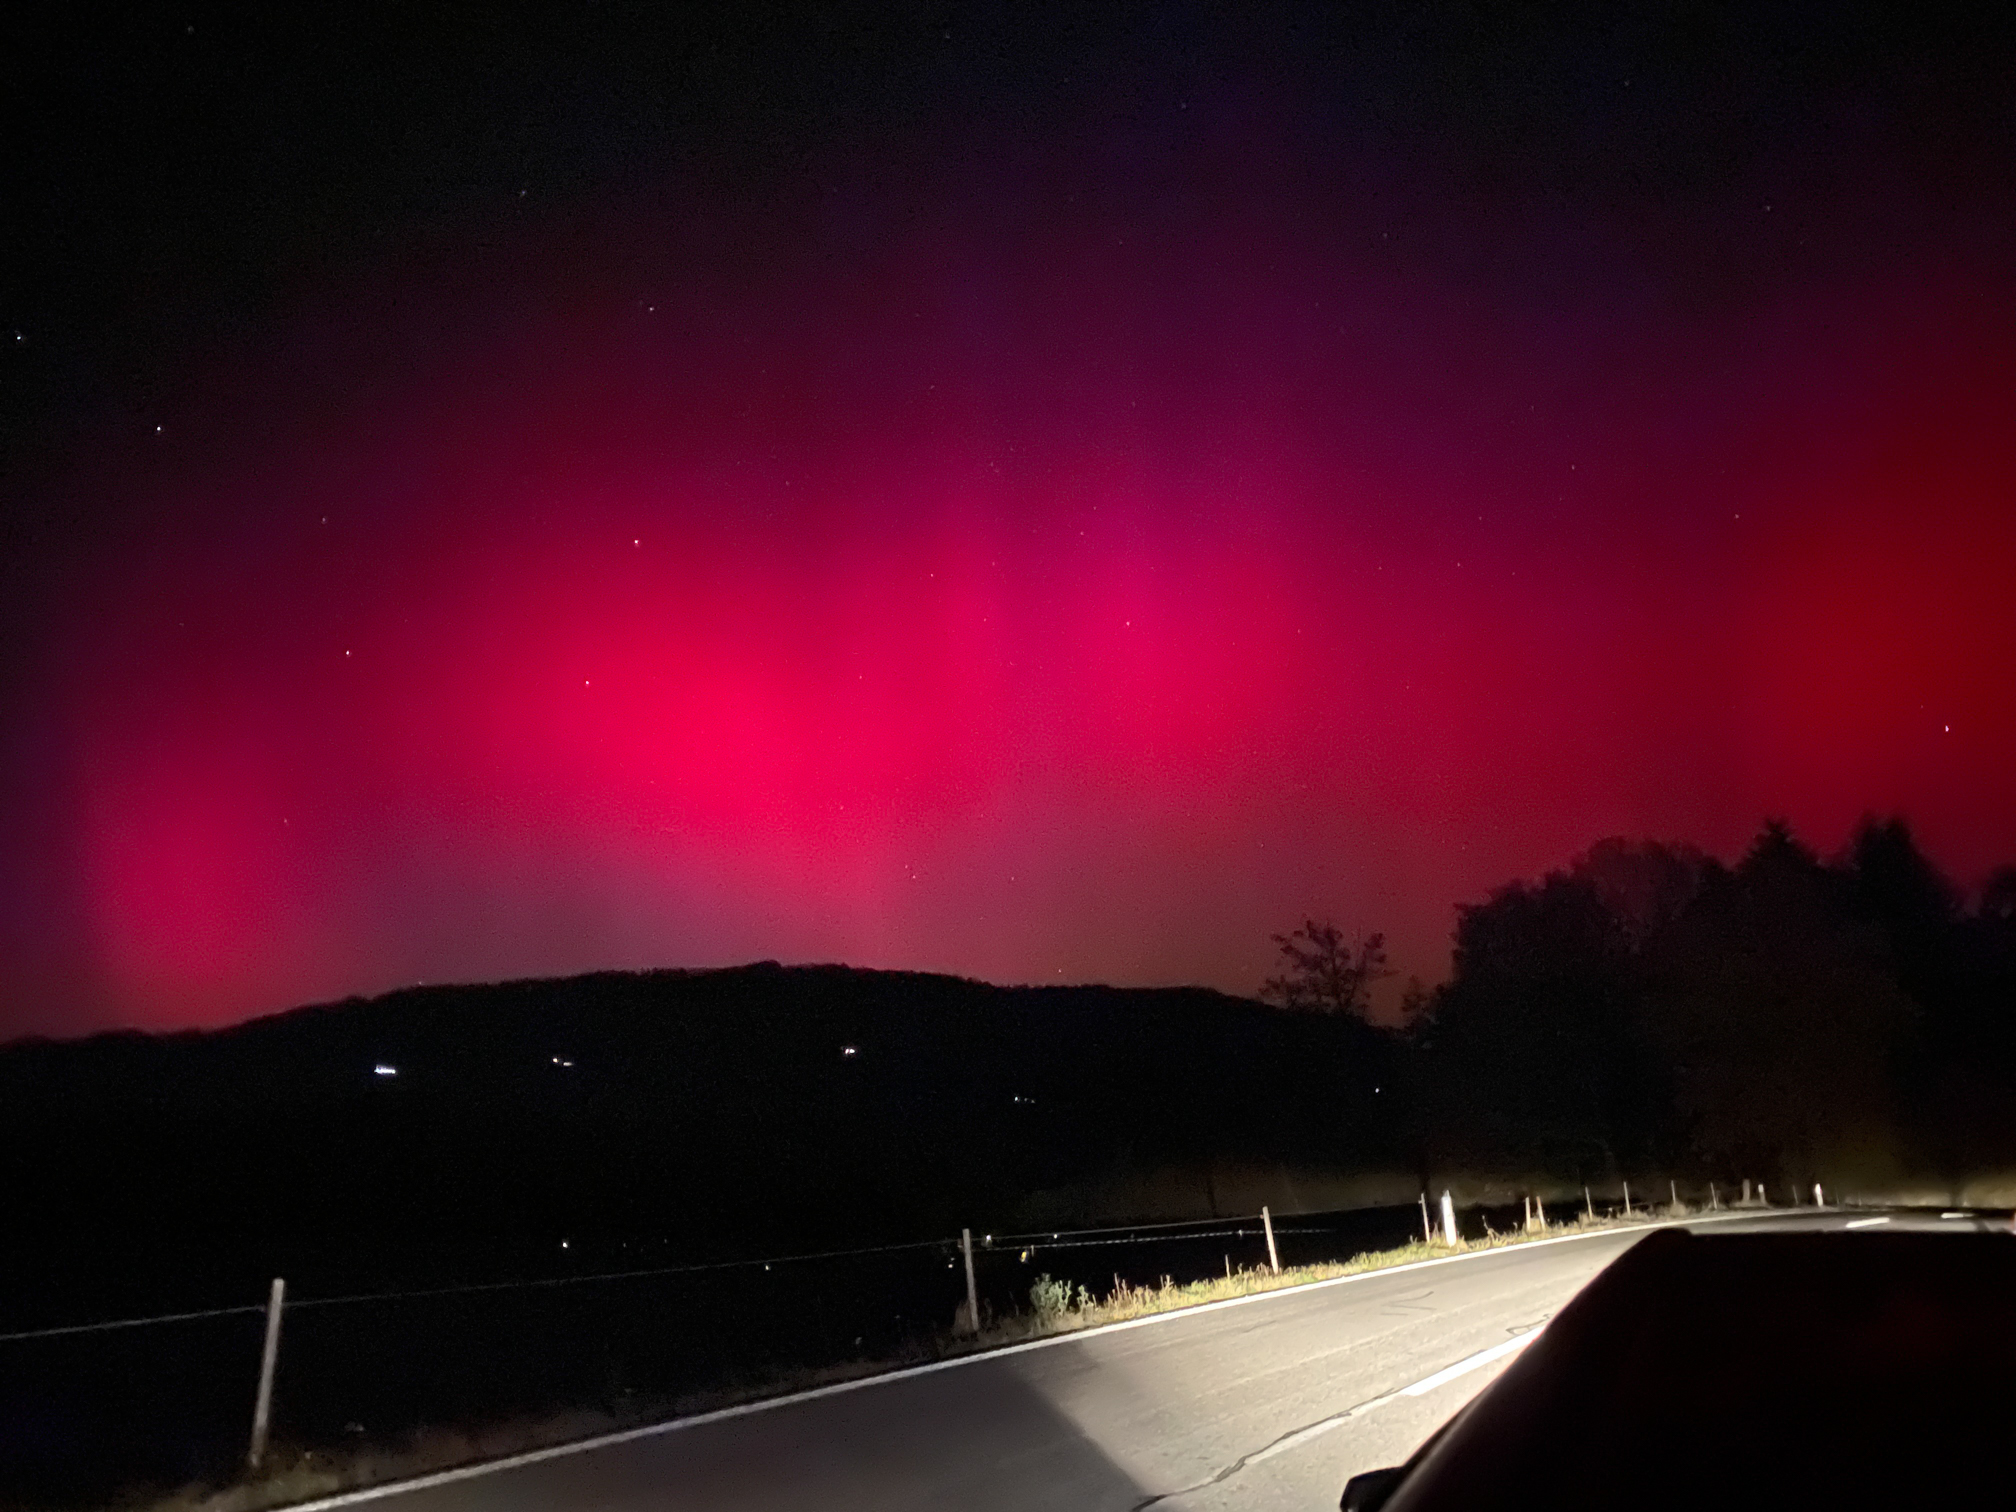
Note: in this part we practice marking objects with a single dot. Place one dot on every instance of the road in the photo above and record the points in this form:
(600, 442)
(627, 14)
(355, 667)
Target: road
(1265, 1405)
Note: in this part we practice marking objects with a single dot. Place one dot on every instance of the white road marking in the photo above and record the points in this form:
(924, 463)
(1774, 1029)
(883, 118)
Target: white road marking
(1866, 1222)
(1464, 1367)
(1420, 1388)
(1317, 1430)
(429, 1480)
(1956, 1215)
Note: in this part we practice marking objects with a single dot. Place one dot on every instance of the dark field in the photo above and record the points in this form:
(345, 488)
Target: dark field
(374, 1353)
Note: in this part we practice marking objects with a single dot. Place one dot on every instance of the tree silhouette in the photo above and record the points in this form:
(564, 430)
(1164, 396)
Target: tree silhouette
(1533, 1046)
(1324, 973)
(1649, 1007)
(1778, 1007)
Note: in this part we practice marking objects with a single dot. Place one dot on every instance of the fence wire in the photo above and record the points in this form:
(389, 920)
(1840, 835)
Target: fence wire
(165, 1398)
(294, 1304)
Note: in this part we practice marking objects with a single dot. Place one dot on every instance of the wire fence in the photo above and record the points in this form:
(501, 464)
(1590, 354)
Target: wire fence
(89, 1408)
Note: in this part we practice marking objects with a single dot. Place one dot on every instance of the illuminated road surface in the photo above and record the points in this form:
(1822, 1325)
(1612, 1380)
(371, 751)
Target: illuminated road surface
(1263, 1405)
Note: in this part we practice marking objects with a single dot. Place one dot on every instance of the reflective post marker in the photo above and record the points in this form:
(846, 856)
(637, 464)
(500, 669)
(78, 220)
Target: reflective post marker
(1448, 1218)
(1427, 1229)
(1273, 1259)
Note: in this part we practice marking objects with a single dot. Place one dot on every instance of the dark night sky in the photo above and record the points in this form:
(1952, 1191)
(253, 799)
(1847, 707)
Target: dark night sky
(926, 488)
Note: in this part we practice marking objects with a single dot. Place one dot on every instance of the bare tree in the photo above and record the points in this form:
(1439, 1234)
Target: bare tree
(1322, 972)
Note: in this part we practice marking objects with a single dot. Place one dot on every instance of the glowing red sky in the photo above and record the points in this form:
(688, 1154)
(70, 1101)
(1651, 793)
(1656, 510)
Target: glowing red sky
(1021, 593)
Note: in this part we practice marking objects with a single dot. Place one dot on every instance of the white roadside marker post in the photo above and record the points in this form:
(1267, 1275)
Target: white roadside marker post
(1448, 1219)
(1588, 1202)
(1427, 1229)
(1673, 1191)
(262, 1408)
(1818, 1200)
(1627, 1199)
(1273, 1259)
(1540, 1213)
(972, 1291)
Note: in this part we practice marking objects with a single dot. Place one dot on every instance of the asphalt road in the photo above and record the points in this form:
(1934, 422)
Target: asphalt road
(1269, 1403)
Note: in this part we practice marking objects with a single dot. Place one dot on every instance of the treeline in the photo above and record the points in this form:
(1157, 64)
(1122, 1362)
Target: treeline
(1785, 1017)
(1646, 1010)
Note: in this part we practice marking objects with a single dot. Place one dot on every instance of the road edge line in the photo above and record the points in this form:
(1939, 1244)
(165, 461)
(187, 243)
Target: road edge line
(450, 1476)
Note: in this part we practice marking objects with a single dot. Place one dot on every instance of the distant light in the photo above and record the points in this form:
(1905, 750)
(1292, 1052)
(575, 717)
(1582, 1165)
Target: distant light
(563, 1244)
(847, 1050)
(381, 1069)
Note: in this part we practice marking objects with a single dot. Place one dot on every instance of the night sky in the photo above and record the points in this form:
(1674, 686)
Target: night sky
(925, 488)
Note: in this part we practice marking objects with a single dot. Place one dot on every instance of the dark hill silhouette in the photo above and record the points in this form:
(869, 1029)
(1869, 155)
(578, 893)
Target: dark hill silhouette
(721, 1108)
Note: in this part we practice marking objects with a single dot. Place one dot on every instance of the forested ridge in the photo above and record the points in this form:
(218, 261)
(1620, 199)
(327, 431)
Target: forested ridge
(1645, 1010)
(1787, 1016)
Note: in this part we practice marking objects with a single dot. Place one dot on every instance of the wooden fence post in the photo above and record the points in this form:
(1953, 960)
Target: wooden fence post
(262, 1408)
(972, 1291)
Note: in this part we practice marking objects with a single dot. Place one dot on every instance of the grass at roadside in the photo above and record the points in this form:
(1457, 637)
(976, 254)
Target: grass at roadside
(1057, 1308)
(294, 1475)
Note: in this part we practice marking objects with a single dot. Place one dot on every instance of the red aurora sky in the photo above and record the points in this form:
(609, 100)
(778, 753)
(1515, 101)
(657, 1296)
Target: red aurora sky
(1075, 570)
